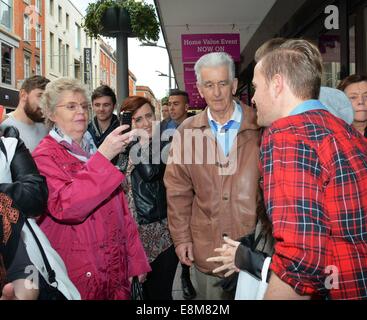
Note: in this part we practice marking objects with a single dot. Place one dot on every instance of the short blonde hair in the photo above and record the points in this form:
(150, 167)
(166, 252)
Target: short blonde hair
(267, 47)
(51, 96)
(300, 62)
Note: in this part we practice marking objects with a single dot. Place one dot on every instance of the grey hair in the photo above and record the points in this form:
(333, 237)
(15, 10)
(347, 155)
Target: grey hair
(213, 60)
(51, 96)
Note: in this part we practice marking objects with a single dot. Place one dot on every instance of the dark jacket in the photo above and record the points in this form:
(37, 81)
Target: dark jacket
(99, 137)
(249, 256)
(24, 197)
(94, 130)
(208, 193)
(29, 189)
(148, 189)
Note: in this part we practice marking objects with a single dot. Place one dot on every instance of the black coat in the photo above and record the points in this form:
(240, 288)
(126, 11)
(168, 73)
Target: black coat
(94, 130)
(28, 193)
(29, 189)
(148, 190)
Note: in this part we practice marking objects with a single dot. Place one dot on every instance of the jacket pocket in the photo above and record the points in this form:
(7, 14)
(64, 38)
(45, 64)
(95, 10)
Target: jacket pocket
(84, 274)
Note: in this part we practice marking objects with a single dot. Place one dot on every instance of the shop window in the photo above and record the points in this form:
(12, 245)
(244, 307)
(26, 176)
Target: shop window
(352, 50)
(329, 45)
(6, 64)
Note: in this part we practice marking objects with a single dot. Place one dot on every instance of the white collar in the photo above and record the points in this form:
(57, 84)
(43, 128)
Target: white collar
(236, 116)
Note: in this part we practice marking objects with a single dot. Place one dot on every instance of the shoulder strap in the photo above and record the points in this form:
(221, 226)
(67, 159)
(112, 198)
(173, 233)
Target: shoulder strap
(257, 240)
(50, 271)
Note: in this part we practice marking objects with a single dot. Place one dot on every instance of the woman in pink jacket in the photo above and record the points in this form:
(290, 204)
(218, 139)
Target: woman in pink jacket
(88, 221)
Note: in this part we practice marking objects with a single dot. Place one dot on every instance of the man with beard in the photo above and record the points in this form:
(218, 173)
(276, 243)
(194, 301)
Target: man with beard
(28, 117)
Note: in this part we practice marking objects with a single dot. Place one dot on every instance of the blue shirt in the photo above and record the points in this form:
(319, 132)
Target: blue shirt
(171, 124)
(307, 105)
(226, 133)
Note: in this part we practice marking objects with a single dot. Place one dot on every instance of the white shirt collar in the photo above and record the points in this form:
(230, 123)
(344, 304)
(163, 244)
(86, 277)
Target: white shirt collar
(236, 116)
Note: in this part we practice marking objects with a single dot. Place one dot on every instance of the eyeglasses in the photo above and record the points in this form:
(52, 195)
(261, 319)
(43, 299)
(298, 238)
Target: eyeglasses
(74, 106)
(148, 116)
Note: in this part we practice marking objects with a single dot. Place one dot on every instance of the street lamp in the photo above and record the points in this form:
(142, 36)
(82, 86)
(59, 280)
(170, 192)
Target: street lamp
(161, 74)
(152, 44)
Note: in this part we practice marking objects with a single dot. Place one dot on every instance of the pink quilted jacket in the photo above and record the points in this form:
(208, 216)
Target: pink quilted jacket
(88, 222)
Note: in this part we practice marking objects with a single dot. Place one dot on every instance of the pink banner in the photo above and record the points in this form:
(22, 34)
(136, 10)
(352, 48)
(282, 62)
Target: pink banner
(196, 100)
(189, 73)
(191, 86)
(196, 45)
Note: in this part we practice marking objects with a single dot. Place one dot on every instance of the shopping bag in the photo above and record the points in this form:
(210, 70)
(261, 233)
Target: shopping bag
(250, 287)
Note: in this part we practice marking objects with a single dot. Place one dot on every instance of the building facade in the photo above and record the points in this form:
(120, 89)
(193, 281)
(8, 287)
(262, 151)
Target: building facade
(107, 63)
(146, 92)
(46, 37)
(65, 40)
(22, 44)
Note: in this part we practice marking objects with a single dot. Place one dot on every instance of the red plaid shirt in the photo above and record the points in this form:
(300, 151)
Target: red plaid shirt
(314, 169)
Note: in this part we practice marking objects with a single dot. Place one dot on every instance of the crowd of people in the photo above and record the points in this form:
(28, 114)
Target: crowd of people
(88, 205)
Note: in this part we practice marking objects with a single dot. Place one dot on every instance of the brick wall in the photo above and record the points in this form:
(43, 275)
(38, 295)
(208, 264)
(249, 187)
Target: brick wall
(28, 47)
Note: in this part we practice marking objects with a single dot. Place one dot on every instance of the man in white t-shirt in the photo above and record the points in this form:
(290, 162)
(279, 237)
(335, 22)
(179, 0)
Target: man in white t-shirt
(28, 117)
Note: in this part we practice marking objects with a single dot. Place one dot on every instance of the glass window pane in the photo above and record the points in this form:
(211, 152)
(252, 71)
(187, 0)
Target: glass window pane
(5, 10)
(6, 63)
(329, 45)
(352, 48)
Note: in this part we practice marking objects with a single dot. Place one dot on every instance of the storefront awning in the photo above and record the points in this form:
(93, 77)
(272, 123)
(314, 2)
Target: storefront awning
(245, 17)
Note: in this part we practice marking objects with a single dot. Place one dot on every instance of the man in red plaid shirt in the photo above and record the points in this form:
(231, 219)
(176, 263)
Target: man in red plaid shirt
(314, 169)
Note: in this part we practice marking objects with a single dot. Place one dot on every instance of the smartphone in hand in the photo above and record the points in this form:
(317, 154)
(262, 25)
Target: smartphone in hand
(126, 119)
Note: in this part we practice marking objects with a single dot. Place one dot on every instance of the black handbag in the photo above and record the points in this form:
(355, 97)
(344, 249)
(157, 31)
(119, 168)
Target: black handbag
(46, 290)
(136, 289)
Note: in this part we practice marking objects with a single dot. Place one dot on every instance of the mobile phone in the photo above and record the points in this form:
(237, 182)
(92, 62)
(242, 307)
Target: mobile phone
(126, 118)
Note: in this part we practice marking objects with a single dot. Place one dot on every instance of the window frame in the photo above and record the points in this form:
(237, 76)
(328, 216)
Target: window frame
(12, 69)
(10, 7)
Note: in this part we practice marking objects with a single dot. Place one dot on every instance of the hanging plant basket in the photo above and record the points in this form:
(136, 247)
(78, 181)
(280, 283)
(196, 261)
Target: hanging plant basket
(111, 17)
